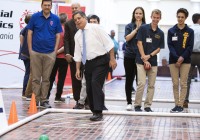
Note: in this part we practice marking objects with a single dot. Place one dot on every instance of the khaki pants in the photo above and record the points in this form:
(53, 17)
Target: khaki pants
(183, 71)
(28, 92)
(142, 73)
(41, 66)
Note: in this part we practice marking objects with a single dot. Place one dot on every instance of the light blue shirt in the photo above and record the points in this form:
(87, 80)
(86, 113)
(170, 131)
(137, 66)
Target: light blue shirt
(196, 28)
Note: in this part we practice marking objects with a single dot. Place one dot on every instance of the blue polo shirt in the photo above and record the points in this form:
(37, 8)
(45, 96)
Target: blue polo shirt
(180, 43)
(145, 33)
(44, 32)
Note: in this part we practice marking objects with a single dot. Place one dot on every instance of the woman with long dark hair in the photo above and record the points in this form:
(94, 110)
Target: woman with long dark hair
(138, 18)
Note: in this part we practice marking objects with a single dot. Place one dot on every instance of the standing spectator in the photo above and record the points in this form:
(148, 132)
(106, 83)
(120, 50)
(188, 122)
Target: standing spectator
(116, 44)
(92, 45)
(131, 29)
(150, 40)
(69, 44)
(195, 57)
(24, 54)
(43, 39)
(180, 41)
(60, 65)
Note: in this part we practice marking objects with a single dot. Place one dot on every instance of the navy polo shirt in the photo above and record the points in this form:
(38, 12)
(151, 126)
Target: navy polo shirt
(44, 32)
(24, 53)
(180, 43)
(131, 45)
(145, 32)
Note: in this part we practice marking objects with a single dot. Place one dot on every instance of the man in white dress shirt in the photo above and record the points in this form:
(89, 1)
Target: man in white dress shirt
(99, 56)
(195, 57)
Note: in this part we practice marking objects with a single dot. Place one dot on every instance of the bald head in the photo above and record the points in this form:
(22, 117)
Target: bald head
(75, 7)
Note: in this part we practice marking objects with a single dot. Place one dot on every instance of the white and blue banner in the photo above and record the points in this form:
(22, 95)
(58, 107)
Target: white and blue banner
(12, 14)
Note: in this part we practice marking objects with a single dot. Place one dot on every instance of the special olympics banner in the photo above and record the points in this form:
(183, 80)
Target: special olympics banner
(12, 14)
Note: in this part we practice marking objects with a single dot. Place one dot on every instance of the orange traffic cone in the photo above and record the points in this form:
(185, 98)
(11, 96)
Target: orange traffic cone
(109, 76)
(13, 114)
(32, 106)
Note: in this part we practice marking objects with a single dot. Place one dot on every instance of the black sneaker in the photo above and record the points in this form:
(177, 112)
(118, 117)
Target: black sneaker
(78, 106)
(148, 109)
(23, 97)
(61, 100)
(45, 105)
(174, 110)
(138, 109)
(179, 109)
(28, 98)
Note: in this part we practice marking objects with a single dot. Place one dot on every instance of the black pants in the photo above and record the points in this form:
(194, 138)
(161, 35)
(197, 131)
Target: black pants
(60, 66)
(95, 74)
(76, 84)
(131, 72)
(26, 75)
(195, 57)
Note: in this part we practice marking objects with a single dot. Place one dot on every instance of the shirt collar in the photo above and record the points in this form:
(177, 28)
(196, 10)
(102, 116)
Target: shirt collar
(176, 27)
(41, 14)
(150, 28)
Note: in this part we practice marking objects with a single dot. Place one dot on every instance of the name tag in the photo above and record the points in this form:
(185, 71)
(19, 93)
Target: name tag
(149, 40)
(174, 38)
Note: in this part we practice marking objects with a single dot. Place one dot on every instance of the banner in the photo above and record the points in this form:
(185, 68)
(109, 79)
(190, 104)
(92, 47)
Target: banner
(3, 122)
(12, 16)
(11, 22)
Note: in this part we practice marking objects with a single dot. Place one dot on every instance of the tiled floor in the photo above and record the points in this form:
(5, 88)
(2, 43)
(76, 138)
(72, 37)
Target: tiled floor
(77, 126)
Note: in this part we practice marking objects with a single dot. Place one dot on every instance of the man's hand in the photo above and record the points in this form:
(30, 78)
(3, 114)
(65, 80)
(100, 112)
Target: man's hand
(78, 74)
(69, 58)
(113, 64)
(180, 60)
(147, 65)
(178, 65)
(145, 58)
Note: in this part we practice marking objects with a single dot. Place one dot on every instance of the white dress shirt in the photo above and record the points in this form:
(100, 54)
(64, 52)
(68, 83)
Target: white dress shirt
(98, 42)
(196, 28)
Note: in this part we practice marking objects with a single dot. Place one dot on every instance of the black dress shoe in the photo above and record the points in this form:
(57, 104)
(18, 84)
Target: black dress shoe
(78, 106)
(97, 117)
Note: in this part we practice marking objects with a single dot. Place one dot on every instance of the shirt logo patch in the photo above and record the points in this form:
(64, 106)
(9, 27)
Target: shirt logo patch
(185, 36)
(157, 36)
(51, 23)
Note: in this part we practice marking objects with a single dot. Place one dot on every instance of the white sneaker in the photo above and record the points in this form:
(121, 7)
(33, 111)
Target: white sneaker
(129, 107)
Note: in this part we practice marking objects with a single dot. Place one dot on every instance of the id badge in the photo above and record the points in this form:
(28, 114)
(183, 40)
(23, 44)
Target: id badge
(174, 38)
(149, 40)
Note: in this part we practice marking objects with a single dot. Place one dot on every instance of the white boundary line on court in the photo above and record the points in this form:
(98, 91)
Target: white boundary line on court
(132, 113)
(154, 100)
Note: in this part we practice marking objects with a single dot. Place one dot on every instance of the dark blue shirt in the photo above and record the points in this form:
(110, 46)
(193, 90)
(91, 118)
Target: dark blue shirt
(180, 43)
(151, 40)
(24, 53)
(44, 32)
(131, 45)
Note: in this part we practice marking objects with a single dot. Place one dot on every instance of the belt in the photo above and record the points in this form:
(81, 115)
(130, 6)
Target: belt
(98, 57)
(195, 52)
